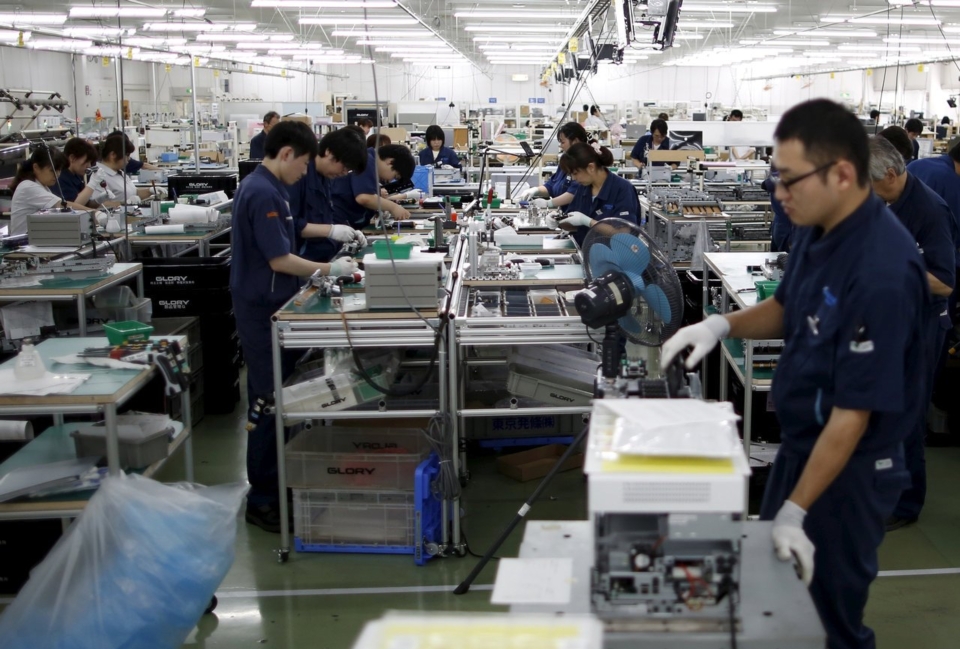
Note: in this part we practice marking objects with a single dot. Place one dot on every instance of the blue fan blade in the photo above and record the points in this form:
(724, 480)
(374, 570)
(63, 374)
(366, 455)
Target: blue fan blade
(602, 260)
(630, 254)
(657, 300)
(629, 324)
(637, 281)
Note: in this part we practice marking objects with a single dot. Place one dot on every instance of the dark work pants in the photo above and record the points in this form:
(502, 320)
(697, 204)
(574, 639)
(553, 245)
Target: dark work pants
(253, 325)
(846, 526)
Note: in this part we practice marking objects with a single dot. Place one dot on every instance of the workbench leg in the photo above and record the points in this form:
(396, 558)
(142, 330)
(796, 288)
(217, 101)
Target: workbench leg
(284, 551)
(442, 407)
(188, 430)
(58, 419)
(204, 248)
(82, 314)
(113, 443)
(748, 396)
(140, 285)
(704, 364)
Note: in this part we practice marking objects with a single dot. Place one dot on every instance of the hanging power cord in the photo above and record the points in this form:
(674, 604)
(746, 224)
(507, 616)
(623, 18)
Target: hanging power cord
(946, 41)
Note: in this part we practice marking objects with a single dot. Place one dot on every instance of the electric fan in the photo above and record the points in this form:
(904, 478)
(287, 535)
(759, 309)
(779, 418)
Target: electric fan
(631, 289)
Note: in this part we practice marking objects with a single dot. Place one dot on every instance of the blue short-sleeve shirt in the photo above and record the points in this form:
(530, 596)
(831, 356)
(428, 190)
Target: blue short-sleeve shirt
(645, 144)
(311, 202)
(344, 192)
(940, 175)
(617, 199)
(854, 303)
(560, 183)
(446, 156)
(69, 185)
(263, 229)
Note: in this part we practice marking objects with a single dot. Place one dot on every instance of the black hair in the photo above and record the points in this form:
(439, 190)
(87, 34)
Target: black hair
(736, 112)
(295, 135)
(828, 132)
(365, 121)
(118, 144)
(914, 125)
(955, 152)
(663, 116)
(79, 148)
(269, 116)
(594, 110)
(348, 146)
(573, 131)
(874, 114)
(945, 121)
(44, 157)
(400, 159)
(377, 140)
(434, 132)
(900, 141)
(581, 154)
(659, 126)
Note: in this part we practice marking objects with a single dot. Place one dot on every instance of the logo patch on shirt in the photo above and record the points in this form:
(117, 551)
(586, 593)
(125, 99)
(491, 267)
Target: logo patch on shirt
(864, 347)
(272, 215)
(883, 465)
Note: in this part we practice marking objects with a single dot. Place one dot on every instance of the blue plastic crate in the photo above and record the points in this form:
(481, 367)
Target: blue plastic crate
(416, 516)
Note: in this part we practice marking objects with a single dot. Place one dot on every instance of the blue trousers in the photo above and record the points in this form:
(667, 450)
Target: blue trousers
(846, 526)
(911, 502)
(253, 325)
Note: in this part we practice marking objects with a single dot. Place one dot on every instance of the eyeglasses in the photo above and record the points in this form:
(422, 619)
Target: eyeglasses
(787, 184)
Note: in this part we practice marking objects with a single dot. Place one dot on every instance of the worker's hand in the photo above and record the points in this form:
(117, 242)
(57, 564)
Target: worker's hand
(361, 239)
(401, 214)
(551, 222)
(446, 166)
(343, 233)
(384, 193)
(527, 194)
(575, 220)
(789, 539)
(542, 203)
(702, 336)
(343, 266)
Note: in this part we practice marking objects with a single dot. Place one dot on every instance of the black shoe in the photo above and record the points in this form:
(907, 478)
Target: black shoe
(895, 523)
(266, 517)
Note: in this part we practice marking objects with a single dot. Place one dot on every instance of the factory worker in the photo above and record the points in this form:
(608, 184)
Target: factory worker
(927, 218)
(108, 184)
(134, 166)
(81, 155)
(739, 152)
(601, 195)
(942, 175)
(32, 187)
(436, 153)
(356, 197)
(341, 153)
(655, 140)
(366, 124)
(595, 121)
(781, 229)
(914, 128)
(560, 189)
(850, 309)
(270, 120)
(264, 274)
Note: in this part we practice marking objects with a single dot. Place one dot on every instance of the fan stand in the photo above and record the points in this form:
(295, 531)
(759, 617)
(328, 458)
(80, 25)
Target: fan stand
(610, 359)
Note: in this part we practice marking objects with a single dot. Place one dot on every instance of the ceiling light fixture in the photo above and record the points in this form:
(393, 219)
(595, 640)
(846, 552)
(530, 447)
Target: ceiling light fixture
(820, 33)
(358, 20)
(115, 12)
(58, 44)
(739, 8)
(13, 36)
(378, 33)
(517, 39)
(878, 20)
(199, 27)
(324, 4)
(518, 29)
(32, 19)
(514, 15)
(239, 37)
(93, 32)
(809, 43)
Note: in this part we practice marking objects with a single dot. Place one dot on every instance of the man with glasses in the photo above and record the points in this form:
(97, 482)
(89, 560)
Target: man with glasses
(850, 310)
(322, 229)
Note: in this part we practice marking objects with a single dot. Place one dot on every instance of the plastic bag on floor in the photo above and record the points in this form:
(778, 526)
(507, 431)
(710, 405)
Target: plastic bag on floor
(135, 571)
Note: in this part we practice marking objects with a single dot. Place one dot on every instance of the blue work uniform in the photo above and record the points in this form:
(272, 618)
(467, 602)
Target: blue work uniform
(927, 218)
(263, 229)
(446, 156)
(559, 184)
(133, 167)
(69, 185)
(645, 144)
(256, 145)
(616, 199)
(782, 228)
(916, 149)
(854, 300)
(311, 202)
(344, 192)
(940, 175)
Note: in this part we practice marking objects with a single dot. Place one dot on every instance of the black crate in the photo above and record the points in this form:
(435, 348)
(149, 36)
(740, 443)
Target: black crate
(23, 545)
(175, 304)
(186, 273)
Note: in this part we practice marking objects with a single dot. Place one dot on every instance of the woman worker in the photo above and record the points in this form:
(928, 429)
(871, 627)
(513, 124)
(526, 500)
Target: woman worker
(109, 185)
(31, 187)
(560, 189)
(436, 153)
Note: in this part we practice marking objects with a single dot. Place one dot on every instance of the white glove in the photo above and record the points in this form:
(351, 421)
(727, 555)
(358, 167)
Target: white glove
(343, 266)
(527, 194)
(542, 202)
(551, 222)
(343, 233)
(362, 240)
(789, 539)
(446, 166)
(702, 336)
(575, 220)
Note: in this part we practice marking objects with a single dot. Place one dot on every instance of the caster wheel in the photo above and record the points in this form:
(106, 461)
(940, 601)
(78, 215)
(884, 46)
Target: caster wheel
(211, 606)
(283, 556)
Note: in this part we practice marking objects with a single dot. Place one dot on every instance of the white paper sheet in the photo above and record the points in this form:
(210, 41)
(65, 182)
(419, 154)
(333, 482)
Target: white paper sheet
(49, 384)
(25, 320)
(533, 581)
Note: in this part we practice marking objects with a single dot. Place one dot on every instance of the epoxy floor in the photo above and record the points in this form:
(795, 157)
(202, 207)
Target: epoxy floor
(322, 601)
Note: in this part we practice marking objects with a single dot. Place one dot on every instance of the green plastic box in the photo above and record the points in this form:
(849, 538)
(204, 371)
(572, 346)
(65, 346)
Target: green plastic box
(765, 289)
(384, 250)
(127, 331)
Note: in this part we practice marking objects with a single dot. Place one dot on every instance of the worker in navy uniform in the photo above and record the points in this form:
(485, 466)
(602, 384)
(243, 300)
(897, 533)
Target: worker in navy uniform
(258, 141)
(81, 155)
(928, 218)
(655, 140)
(264, 274)
(560, 189)
(341, 153)
(851, 311)
(357, 196)
(914, 128)
(436, 154)
(600, 195)
(781, 229)
(109, 184)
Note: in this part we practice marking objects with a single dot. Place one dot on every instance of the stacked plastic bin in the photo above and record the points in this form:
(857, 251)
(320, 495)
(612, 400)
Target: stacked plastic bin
(365, 490)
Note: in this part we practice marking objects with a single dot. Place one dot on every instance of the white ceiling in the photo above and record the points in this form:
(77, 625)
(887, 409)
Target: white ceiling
(289, 33)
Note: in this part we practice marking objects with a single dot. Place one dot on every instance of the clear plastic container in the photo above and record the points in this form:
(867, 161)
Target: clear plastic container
(547, 391)
(344, 518)
(29, 365)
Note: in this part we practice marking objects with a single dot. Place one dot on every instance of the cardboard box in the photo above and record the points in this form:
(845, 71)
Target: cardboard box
(536, 463)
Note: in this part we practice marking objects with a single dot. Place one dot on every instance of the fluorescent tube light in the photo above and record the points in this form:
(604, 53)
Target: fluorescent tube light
(199, 27)
(114, 12)
(830, 33)
(518, 29)
(748, 8)
(239, 37)
(358, 20)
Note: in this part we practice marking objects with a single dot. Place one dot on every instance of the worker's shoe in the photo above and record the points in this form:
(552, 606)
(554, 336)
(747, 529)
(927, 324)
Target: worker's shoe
(266, 517)
(895, 523)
